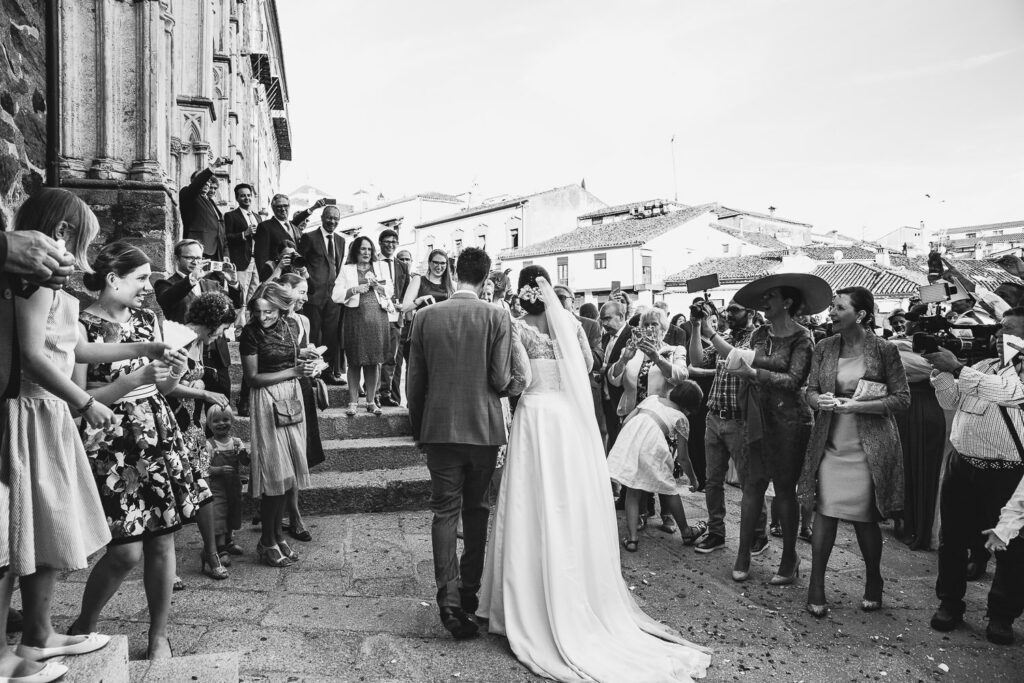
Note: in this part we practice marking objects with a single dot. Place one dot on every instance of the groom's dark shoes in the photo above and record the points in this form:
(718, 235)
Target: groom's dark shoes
(458, 623)
(454, 617)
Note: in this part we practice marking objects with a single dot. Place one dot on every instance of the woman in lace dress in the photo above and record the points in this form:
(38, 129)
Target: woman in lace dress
(552, 581)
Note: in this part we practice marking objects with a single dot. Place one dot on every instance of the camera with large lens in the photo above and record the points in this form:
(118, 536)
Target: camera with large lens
(298, 261)
(702, 310)
(970, 343)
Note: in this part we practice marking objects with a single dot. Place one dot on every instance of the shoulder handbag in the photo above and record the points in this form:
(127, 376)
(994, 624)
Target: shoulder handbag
(289, 411)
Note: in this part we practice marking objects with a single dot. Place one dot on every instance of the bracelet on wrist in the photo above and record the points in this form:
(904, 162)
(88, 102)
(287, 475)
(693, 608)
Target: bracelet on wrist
(177, 375)
(88, 404)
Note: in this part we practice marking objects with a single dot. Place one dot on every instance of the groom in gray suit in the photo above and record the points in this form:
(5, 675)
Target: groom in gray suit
(459, 363)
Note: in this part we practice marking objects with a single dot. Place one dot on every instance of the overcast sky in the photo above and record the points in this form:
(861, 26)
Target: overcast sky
(841, 114)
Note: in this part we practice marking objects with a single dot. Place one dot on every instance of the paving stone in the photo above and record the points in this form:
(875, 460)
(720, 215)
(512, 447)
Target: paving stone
(107, 665)
(221, 667)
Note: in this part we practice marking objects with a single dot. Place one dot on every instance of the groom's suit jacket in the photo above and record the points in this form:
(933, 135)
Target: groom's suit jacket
(460, 358)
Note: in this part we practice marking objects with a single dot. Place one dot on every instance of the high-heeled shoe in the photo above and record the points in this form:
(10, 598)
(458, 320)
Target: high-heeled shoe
(225, 559)
(210, 564)
(869, 605)
(740, 576)
(780, 580)
(272, 556)
(287, 551)
(817, 611)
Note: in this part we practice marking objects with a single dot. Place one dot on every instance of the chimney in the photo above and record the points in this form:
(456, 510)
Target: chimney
(771, 210)
(882, 259)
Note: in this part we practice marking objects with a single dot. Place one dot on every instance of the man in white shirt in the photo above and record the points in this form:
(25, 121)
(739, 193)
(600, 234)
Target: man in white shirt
(395, 275)
(984, 469)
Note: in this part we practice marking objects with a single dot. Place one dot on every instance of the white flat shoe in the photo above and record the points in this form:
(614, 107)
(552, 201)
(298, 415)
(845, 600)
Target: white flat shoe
(91, 643)
(50, 672)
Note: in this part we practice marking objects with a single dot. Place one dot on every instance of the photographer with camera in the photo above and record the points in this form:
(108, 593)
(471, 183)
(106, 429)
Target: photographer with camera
(984, 469)
(288, 260)
(725, 433)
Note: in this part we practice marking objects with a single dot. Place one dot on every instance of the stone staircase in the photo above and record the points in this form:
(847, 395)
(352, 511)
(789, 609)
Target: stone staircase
(371, 463)
(111, 665)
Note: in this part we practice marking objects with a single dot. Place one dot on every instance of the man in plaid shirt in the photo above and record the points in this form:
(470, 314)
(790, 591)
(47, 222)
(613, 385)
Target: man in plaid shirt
(725, 436)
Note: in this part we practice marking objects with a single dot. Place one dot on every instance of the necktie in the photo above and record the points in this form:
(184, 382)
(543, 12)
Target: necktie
(391, 271)
(330, 248)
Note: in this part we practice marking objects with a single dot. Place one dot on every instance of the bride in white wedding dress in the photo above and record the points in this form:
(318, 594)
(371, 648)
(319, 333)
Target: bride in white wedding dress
(552, 580)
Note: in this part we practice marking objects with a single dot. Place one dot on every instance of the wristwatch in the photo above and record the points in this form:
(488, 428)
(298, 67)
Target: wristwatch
(956, 373)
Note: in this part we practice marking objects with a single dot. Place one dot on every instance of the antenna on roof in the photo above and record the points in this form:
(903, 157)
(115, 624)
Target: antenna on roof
(675, 179)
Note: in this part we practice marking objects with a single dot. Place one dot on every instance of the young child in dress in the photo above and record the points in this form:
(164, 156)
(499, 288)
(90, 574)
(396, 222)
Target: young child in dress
(227, 459)
(652, 455)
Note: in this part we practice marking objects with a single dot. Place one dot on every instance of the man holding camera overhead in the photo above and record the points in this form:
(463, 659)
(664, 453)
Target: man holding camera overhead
(200, 217)
(324, 252)
(984, 469)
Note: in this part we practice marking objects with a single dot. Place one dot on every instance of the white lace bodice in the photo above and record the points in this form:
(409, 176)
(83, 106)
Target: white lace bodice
(542, 351)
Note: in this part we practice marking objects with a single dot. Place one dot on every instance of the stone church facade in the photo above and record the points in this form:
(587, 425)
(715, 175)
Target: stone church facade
(147, 91)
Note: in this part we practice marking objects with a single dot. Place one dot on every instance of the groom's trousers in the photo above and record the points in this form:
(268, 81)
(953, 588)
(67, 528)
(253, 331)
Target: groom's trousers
(459, 477)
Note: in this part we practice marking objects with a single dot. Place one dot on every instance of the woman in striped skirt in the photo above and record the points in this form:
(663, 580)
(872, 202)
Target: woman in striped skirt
(269, 347)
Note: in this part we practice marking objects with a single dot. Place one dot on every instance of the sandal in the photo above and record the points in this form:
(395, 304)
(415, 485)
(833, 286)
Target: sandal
(303, 535)
(179, 585)
(643, 523)
(668, 525)
(630, 545)
(287, 551)
(694, 532)
(272, 557)
(231, 548)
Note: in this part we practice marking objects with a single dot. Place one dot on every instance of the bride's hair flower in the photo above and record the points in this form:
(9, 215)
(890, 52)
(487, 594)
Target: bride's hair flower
(528, 293)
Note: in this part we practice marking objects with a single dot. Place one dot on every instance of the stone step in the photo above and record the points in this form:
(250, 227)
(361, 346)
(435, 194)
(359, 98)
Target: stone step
(380, 453)
(221, 667)
(383, 490)
(335, 424)
(109, 665)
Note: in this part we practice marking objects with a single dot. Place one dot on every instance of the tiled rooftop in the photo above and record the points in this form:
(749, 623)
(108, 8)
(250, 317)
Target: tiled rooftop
(626, 233)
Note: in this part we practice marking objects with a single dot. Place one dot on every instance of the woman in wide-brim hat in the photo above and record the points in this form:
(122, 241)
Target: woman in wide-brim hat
(778, 420)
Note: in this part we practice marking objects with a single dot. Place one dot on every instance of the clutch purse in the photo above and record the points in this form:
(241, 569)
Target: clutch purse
(288, 412)
(870, 391)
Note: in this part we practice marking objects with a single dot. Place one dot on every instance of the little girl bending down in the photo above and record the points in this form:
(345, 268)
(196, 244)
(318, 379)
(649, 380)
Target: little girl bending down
(651, 454)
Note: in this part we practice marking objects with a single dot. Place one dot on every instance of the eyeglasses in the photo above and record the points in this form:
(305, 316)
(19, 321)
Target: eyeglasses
(439, 263)
(190, 258)
(735, 309)
(389, 241)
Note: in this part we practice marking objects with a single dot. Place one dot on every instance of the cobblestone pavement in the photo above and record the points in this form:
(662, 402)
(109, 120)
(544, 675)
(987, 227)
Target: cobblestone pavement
(358, 607)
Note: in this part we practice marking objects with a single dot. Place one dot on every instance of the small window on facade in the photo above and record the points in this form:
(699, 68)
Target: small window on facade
(600, 261)
(527, 264)
(647, 269)
(597, 221)
(458, 246)
(563, 270)
(514, 234)
(725, 248)
(971, 235)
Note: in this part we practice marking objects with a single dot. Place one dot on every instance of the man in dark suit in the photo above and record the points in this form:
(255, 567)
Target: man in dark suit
(617, 335)
(273, 232)
(191, 278)
(200, 217)
(388, 266)
(324, 252)
(460, 359)
(240, 231)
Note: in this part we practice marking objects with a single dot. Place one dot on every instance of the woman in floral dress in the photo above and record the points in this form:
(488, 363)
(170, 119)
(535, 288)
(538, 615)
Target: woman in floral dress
(145, 479)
